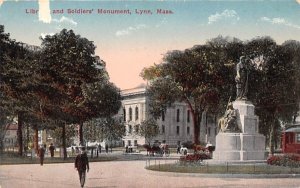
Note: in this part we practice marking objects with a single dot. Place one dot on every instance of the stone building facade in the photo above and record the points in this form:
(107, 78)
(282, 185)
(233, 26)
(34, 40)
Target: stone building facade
(175, 124)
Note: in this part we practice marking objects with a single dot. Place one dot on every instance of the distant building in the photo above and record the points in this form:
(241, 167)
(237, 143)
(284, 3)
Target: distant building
(175, 124)
(10, 138)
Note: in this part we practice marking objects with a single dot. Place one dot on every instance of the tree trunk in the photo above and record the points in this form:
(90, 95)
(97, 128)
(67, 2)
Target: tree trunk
(271, 139)
(80, 134)
(64, 141)
(36, 139)
(20, 135)
(197, 116)
(196, 120)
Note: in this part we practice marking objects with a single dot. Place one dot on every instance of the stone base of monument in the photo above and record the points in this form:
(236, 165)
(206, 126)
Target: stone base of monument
(239, 147)
(247, 145)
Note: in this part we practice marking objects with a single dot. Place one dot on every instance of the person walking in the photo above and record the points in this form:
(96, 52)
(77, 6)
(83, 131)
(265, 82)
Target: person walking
(106, 148)
(82, 165)
(51, 149)
(42, 151)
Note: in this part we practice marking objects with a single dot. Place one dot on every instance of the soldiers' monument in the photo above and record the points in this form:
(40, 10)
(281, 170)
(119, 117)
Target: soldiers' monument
(238, 138)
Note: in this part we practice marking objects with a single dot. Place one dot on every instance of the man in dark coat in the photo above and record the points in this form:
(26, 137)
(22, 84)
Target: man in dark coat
(51, 149)
(42, 151)
(82, 165)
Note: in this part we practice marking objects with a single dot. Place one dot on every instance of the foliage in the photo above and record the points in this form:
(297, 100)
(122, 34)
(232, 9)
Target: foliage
(289, 160)
(5, 120)
(17, 83)
(203, 78)
(70, 134)
(149, 129)
(194, 157)
(199, 76)
(111, 128)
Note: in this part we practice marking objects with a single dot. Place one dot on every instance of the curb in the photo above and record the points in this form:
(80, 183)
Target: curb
(240, 176)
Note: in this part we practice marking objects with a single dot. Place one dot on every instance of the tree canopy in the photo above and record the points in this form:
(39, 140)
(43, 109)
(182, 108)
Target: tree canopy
(204, 78)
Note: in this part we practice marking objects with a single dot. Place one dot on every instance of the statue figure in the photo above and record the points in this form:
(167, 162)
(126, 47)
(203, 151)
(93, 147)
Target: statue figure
(241, 79)
(228, 123)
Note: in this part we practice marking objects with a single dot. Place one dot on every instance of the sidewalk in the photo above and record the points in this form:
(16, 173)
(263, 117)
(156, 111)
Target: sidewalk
(123, 174)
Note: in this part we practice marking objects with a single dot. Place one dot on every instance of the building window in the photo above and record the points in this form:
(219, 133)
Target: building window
(163, 115)
(129, 142)
(130, 114)
(135, 142)
(177, 130)
(178, 115)
(208, 131)
(188, 116)
(188, 130)
(163, 129)
(124, 114)
(136, 113)
(298, 137)
(129, 129)
(136, 128)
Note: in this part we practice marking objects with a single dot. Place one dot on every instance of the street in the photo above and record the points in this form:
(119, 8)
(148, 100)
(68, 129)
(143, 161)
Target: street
(122, 174)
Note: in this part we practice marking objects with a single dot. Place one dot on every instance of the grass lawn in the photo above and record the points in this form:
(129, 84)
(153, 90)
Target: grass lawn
(12, 158)
(224, 169)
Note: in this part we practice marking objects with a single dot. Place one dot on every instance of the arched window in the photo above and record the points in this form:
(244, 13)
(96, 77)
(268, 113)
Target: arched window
(178, 115)
(188, 116)
(124, 114)
(130, 114)
(136, 129)
(129, 129)
(136, 113)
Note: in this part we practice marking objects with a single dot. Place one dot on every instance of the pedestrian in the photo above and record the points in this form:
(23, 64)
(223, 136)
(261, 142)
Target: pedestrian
(42, 154)
(178, 148)
(73, 151)
(82, 165)
(51, 149)
(106, 148)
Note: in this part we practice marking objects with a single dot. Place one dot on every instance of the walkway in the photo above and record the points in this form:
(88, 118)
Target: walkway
(131, 174)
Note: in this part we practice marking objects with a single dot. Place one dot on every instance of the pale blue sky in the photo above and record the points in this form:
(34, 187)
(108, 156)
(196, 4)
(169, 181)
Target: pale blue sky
(130, 42)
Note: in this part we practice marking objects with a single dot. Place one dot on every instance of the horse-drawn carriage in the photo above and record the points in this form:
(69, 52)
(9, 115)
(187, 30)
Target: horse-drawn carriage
(157, 150)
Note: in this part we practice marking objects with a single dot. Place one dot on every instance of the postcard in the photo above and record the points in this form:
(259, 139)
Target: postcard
(130, 36)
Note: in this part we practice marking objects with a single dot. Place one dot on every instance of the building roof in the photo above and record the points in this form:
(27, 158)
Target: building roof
(140, 89)
(12, 126)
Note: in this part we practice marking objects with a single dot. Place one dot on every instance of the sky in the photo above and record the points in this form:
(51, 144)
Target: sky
(130, 42)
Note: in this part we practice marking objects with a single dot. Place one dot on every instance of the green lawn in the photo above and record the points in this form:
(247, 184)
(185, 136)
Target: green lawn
(12, 158)
(224, 169)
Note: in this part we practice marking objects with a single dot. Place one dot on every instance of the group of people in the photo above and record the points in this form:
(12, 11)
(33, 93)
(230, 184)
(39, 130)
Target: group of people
(42, 151)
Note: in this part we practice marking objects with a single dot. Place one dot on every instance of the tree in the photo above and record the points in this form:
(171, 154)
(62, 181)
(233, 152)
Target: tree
(68, 66)
(57, 134)
(199, 76)
(17, 73)
(79, 81)
(149, 129)
(112, 128)
(5, 120)
(275, 103)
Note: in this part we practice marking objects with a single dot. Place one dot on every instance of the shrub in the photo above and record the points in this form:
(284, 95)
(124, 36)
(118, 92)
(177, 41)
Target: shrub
(289, 160)
(194, 157)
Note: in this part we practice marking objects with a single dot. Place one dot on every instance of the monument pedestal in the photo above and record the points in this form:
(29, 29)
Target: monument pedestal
(247, 145)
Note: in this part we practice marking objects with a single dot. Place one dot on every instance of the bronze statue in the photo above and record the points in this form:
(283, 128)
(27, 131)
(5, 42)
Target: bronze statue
(228, 123)
(241, 79)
